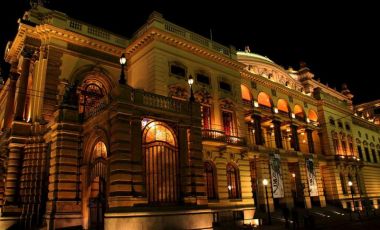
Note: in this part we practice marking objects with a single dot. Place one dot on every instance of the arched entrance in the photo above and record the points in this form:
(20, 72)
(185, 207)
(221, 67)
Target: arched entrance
(161, 164)
(97, 178)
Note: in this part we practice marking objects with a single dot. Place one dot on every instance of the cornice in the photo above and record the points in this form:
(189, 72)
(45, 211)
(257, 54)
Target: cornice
(279, 87)
(75, 38)
(188, 46)
(46, 31)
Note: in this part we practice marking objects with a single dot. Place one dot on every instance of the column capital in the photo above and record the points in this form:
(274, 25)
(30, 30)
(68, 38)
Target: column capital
(27, 52)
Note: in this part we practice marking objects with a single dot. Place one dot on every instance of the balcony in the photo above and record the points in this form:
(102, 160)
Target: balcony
(220, 136)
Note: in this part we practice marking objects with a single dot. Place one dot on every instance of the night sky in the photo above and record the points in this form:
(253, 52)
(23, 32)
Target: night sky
(338, 42)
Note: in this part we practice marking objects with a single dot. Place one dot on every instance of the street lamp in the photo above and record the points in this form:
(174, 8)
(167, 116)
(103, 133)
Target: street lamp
(265, 183)
(191, 82)
(123, 60)
(352, 196)
(295, 188)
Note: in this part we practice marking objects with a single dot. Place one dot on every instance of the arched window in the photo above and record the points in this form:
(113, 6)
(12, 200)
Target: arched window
(313, 115)
(350, 144)
(282, 106)
(91, 97)
(335, 141)
(210, 180)
(245, 94)
(264, 100)
(161, 163)
(343, 183)
(298, 111)
(100, 150)
(344, 143)
(233, 182)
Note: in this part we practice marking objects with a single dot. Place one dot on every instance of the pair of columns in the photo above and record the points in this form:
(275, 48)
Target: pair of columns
(277, 131)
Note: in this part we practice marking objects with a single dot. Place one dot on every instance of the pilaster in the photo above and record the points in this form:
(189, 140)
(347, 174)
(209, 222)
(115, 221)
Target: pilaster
(63, 207)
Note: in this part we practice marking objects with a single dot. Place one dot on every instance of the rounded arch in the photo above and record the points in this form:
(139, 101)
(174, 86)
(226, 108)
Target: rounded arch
(283, 106)
(264, 100)
(211, 179)
(159, 131)
(358, 141)
(299, 112)
(160, 157)
(98, 135)
(245, 93)
(313, 116)
(372, 145)
(94, 73)
(233, 180)
(365, 143)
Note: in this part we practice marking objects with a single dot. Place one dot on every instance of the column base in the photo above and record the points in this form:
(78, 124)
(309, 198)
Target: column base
(63, 220)
(11, 211)
(7, 222)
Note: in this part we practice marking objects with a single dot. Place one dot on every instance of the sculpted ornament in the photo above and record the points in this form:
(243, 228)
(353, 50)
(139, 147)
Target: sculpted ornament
(203, 96)
(226, 104)
(178, 91)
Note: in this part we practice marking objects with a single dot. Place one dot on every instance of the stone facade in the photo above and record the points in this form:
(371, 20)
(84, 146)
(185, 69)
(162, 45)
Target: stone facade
(80, 149)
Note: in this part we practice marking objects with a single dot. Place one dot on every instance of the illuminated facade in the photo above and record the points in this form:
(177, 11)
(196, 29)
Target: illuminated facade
(80, 149)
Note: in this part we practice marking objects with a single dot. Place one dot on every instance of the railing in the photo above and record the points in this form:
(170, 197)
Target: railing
(165, 103)
(220, 136)
(96, 32)
(235, 140)
(184, 33)
(214, 135)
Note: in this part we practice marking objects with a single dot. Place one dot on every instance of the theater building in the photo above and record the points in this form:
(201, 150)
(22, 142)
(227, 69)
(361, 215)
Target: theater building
(88, 142)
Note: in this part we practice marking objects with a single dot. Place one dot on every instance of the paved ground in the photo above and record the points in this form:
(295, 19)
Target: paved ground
(327, 218)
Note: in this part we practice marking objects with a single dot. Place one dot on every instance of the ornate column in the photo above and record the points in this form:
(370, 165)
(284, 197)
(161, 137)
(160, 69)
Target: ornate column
(310, 141)
(277, 133)
(9, 109)
(258, 132)
(23, 83)
(295, 140)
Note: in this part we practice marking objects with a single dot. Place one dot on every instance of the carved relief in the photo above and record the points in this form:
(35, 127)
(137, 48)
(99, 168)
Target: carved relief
(203, 96)
(226, 104)
(178, 91)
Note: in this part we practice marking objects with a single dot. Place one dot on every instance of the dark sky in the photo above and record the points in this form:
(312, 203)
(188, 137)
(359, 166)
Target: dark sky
(339, 42)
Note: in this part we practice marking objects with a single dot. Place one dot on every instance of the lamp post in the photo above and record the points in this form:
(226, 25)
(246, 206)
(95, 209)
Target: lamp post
(352, 196)
(265, 183)
(191, 82)
(295, 189)
(123, 60)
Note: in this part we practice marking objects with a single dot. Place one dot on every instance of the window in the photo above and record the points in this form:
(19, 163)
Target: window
(350, 145)
(374, 155)
(233, 182)
(340, 124)
(264, 100)
(178, 70)
(343, 183)
(360, 152)
(335, 142)
(210, 180)
(366, 151)
(332, 121)
(245, 94)
(344, 143)
(206, 116)
(91, 97)
(203, 79)
(359, 134)
(348, 127)
(228, 123)
(299, 112)
(373, 138)
(366, 136)
(225, 86)
(100, 150)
